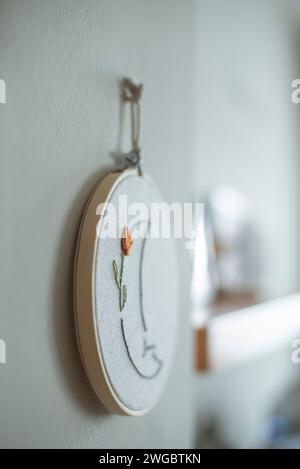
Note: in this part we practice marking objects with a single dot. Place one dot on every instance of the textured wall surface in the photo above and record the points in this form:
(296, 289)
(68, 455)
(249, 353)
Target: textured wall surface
(61, 61)
(215, 109)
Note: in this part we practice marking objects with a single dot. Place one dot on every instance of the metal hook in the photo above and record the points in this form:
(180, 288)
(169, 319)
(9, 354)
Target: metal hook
(131, 90)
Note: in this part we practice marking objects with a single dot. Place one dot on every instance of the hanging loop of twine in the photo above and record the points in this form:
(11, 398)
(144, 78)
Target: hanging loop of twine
(131, 94)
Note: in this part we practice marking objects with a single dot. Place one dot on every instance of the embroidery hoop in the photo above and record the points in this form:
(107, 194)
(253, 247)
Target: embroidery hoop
(84, 300)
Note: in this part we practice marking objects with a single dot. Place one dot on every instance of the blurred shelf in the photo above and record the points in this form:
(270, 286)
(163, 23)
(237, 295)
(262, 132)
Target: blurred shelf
(235, 337)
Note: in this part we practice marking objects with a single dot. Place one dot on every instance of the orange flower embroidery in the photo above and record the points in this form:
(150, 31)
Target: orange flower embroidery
(126, 242)
(126, 248)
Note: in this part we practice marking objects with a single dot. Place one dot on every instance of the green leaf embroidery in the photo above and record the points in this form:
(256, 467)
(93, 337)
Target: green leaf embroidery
(119, 281)
(124, 296)
(116, 273)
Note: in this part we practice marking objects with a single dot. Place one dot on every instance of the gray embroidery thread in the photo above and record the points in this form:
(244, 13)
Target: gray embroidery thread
(154, 356)
(141, 280)
(147, 347)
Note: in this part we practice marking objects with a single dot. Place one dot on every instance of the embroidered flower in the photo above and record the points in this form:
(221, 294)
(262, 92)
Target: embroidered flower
(126, 248)
(126, 242)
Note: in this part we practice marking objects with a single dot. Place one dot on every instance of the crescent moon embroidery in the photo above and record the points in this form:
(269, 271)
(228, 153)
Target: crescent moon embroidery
(126, 249)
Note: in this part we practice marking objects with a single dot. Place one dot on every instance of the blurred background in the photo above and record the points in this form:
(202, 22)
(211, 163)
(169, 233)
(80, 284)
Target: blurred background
(218, 124)
(247, 140)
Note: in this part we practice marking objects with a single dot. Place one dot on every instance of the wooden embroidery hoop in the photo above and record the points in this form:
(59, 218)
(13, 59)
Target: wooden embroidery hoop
(84, 300)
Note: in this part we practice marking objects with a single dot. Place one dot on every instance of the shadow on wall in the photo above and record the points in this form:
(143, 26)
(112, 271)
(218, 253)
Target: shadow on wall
(64, 331)
(68, 355)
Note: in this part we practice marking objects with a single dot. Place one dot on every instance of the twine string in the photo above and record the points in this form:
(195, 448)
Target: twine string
(131, 94)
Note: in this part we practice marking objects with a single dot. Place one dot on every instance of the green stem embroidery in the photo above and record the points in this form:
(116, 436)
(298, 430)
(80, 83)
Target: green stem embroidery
(119, 281)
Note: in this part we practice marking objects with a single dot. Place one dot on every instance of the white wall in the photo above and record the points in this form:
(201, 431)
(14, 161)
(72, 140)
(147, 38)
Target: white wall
(62, 61)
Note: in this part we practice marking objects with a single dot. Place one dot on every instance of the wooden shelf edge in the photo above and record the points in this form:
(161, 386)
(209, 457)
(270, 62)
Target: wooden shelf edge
(233, 338)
